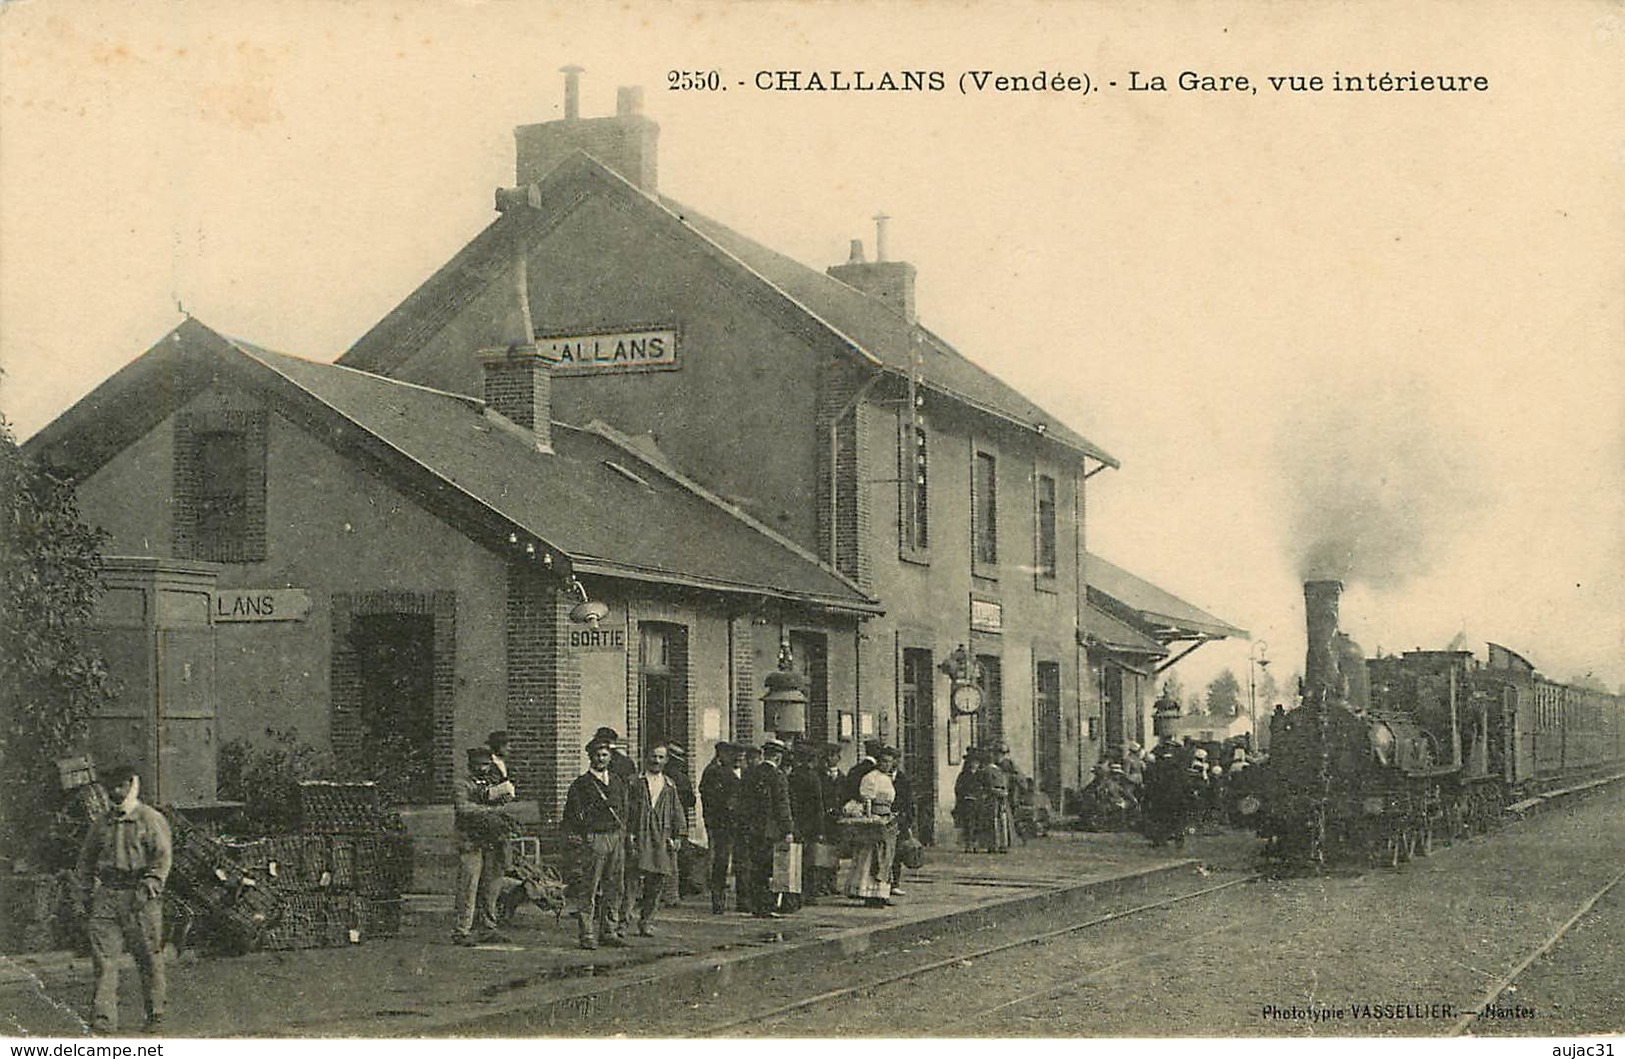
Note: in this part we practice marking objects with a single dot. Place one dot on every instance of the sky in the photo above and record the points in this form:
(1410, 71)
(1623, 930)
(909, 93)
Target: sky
(1374, 335)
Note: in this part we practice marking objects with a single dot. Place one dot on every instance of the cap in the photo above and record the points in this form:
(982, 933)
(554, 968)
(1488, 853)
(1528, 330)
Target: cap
(725, 745)
(479, 753)
(773, 745)
(496, 739)
(1201, 755)
(677, 748)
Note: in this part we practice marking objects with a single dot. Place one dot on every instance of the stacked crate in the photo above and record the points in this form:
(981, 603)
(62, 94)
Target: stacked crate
(338, 881)
(229, 898)
(343, 873)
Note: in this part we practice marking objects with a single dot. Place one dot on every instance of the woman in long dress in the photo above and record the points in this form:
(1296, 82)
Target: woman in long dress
(876, 840)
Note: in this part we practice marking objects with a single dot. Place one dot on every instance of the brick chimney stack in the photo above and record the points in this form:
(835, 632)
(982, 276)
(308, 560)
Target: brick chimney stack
(626, 142)
(889, 282)
(518, 385)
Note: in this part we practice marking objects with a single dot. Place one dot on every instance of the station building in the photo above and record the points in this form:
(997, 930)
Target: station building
(763, 462)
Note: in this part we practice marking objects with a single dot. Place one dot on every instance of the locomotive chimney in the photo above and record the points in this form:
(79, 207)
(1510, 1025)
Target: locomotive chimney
(1321, 675)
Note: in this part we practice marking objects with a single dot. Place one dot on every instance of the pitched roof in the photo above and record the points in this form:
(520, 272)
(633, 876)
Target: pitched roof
(1169, 617)
(858, 321)
(593, 499)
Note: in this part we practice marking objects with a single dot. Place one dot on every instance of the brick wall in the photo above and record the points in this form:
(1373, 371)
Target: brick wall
(742, 641)
(544, 690)
(841, 532)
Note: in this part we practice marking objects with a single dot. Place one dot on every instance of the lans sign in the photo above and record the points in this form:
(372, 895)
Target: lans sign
(260, 604)
(606, 353)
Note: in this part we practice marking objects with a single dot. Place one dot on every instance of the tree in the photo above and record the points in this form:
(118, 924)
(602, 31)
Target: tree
(50, 579)
(1194, 707)
(1224, 695)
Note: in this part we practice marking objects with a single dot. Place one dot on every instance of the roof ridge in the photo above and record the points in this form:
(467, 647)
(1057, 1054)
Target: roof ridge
(254, 350)
(626, 444)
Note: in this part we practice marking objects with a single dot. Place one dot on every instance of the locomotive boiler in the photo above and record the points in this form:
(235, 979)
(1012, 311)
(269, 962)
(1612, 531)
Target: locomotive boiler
(1387, 756)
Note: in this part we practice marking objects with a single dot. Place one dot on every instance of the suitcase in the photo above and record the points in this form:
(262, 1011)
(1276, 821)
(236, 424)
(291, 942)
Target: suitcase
(786, 868)
(823, 855)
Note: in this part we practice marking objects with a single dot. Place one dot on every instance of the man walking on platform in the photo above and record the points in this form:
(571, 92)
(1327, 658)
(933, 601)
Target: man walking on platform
(123, 866)
(657, 832)
(480, 818)
(719, 793)
(766, 822)
(596, 810)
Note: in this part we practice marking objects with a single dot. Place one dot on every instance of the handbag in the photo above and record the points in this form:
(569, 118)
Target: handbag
(786, 868)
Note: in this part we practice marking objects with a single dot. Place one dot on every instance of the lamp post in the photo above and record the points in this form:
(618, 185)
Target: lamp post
(1255, 657)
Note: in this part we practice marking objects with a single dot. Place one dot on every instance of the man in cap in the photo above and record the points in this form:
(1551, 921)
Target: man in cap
(596, 811)
(481, 809)
(619, 763)
(766, 822)
(807, 810)
(123, 866)
(719, 795)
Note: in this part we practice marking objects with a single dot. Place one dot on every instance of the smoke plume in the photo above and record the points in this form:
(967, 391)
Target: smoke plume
(1376, 487)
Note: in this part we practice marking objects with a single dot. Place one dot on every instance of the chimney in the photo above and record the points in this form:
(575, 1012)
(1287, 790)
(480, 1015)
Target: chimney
(1322, 677)
(889, 282)
(517, 383)
(627, 141)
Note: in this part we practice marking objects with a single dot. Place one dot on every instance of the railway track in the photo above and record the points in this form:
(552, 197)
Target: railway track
(962, 959)
(1500, 987)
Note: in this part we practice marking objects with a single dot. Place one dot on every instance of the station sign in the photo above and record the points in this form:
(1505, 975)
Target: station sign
(611, 352)
(260, 605)
(986, 616)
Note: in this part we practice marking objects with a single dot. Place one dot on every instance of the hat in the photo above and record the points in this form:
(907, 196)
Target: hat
(116, 775)
(479, 753)
(1201, 755)
(1114, 767)
(724, 745)
(677, 749)
(608, 735)
(773, 746)
(888, 751)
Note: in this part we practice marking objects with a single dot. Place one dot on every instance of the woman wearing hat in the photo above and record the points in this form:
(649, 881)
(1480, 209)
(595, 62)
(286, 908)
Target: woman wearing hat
(869, 878)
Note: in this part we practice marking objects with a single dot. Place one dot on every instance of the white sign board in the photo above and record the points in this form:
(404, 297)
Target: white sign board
(607, 353)
(260, 604)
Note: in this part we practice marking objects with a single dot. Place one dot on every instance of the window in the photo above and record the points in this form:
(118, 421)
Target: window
(1045, 558)
(984, 514)
(662, 685)
(219, 486)
(988, 727)
(222, 513)
(915, 523)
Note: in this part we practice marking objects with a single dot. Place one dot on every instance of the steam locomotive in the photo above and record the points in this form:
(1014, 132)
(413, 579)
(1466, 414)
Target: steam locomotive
(1387, 756)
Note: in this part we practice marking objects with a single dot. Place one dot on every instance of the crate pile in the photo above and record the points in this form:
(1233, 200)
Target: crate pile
(338, 881)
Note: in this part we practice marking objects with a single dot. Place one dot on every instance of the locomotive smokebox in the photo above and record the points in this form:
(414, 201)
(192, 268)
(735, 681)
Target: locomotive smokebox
(1322, 676)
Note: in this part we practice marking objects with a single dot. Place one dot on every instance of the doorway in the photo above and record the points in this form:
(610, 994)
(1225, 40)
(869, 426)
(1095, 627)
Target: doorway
(394, 655)
(919, 740)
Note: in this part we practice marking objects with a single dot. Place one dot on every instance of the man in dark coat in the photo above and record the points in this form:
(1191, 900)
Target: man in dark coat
(597, 809)
(807, 809)
(831, 778)
(766, 822)
(619, 763)
(719, 795)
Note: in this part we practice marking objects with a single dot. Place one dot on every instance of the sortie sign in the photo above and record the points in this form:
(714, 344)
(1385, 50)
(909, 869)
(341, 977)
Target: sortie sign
(261, 604)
